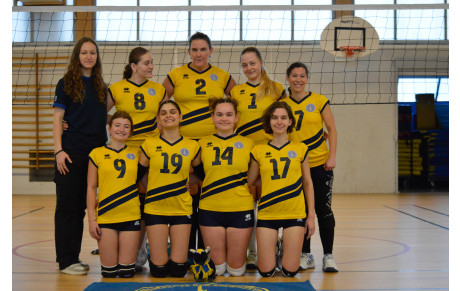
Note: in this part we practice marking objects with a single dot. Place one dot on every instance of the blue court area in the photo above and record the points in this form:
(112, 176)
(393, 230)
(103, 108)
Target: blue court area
(277, 286)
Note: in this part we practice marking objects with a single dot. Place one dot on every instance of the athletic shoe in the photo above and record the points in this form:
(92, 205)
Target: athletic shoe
(329, 264)
(251, 261)
(74, 269)
(307, 261)
(86, 266)
(141, 259)
(279, 256)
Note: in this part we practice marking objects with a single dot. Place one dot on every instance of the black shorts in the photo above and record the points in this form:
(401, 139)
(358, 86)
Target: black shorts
(152, 219)
(281, 223)
(134, 225)
(238, 219)
(142, 201)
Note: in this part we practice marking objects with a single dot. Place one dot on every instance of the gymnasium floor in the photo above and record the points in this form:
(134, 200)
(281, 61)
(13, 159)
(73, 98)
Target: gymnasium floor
(383, 242)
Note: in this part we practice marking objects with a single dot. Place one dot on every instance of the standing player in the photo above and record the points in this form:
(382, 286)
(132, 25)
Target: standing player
(253, 97)
(80, 100)
(140, 97)
(313, 110)
(226, 209)
(168, 204)
(192, 85)
(114, 217)
(286, 185)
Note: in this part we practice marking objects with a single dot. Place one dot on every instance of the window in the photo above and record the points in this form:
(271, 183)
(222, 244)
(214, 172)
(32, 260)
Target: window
(408, 86)
(42, 26)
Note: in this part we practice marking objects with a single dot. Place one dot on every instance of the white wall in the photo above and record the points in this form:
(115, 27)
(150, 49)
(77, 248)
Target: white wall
(367, 134)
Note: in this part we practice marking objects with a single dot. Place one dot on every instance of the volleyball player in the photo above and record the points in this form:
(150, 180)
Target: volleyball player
(226, 209)
(253, 97)
(192, 85)
(314, 110)
(114, 216)
(286, 185)
(168, 204)
(140, 97)
(80, 99)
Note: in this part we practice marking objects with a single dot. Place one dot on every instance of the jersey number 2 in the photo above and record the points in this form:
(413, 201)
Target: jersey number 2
(202, 83)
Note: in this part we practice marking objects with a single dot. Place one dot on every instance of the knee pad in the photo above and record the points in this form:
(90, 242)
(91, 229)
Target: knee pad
(109, 272)
(327, 221)
(286, 273)
(236, 272)
(126, 271)
(220, 269)
(177, 270)
(267, 274)
(158, 271)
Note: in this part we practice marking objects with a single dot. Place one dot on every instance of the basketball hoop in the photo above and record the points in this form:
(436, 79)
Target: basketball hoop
(350, 51)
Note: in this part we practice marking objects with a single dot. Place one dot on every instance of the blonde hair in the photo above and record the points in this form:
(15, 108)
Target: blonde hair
(267, 86)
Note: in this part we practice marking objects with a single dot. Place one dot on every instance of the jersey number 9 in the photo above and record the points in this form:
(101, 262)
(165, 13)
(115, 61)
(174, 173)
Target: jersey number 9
(120, 165)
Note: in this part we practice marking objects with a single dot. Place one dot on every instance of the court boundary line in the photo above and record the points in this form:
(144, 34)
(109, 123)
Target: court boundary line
(431, 210)
(435, 224)
(28, 212)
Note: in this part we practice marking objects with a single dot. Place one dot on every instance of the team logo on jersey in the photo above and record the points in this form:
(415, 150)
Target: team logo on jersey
(125, 90)
(248, 217)
(131, 156)
(268, 154)
(159, 149)
(310, 107)
(292, 154)
(214, 77)
(242, 92)
(209, 144)
(185, 76)
(184, 152)
(151, 92)
(239, 145)
(107, 156)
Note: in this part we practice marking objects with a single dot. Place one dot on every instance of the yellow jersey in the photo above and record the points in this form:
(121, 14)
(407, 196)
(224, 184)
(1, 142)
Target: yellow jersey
(225, 162)
(281, 174)
(251, 109)
(141, 102)
(309, 126)
(192, 90)
(118, 200)
(169, 169)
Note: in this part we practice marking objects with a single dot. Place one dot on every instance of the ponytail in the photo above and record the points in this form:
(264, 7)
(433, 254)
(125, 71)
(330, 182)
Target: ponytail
(267, 87)
(128, 72)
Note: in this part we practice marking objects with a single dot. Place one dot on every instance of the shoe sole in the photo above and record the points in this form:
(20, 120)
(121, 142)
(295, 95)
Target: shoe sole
(74, 273)
(330, 270)
(303, 269)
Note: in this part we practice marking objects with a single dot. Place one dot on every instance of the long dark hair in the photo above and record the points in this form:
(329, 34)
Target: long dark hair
(134, 58)
(73, 83)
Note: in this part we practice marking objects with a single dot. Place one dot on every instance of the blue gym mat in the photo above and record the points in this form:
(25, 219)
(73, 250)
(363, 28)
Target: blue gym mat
(222, 286)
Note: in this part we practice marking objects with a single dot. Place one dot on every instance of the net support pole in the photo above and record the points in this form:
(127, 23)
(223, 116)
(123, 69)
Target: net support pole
(37, 129)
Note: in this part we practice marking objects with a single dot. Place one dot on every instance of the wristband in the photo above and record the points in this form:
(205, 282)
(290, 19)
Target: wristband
(61, 150)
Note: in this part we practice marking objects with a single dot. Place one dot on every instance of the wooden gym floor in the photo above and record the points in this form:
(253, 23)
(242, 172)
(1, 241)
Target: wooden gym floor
(382, 242)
